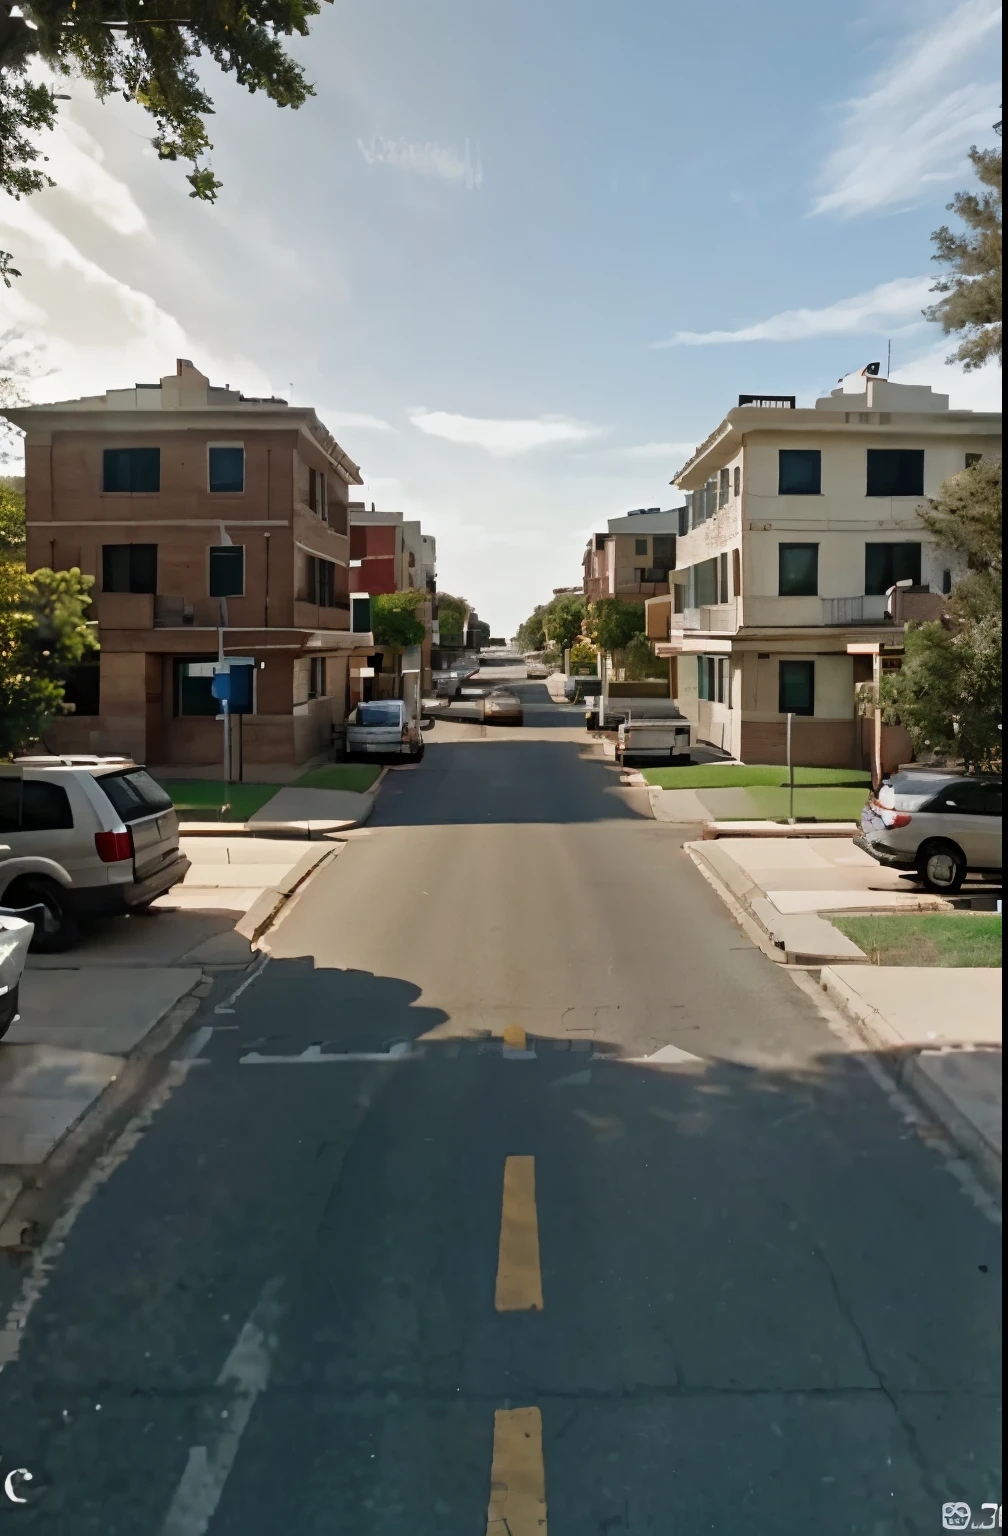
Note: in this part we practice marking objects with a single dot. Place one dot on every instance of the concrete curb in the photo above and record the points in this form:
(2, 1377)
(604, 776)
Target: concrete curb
(715, 829)
(266, 908)
(903, 1063)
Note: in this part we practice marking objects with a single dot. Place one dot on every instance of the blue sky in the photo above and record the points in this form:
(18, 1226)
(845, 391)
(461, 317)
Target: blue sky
(522, 258)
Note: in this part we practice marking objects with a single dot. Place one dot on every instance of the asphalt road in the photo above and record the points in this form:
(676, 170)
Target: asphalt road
(734, 1292)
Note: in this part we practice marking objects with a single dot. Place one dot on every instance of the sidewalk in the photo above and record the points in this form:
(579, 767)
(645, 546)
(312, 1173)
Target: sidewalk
(295, 811)
(86, 1013)
(938, 1030)
(947, 1051)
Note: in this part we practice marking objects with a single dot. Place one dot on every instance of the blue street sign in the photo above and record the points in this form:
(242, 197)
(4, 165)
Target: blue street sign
(221, 687)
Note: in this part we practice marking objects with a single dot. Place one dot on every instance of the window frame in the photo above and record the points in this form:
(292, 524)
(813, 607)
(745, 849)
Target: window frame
(178, 713)
(737, 481)
(228, 549)
(874, 458)
(790, 664)
(640, 548)
(231, 447)
(791, 456)
(787, 544)
(130, 490)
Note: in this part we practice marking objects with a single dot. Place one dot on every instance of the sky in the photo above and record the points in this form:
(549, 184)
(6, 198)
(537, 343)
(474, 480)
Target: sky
(522, 258)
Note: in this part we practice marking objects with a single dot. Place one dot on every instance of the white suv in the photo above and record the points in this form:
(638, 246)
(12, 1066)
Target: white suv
(85, 837)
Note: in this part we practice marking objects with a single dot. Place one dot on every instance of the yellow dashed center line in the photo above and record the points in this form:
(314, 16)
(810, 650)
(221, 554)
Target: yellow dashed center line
(519, 1282)
(518, 1480)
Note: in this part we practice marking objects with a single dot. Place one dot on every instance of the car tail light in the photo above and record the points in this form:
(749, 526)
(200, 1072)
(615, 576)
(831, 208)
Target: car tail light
(893, 818)
(113, 847)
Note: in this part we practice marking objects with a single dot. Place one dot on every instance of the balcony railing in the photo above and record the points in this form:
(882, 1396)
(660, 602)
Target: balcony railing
(853, 610)
(719, 618)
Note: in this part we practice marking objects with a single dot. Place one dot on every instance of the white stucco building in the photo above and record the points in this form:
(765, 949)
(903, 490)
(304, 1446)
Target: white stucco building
(797, 525)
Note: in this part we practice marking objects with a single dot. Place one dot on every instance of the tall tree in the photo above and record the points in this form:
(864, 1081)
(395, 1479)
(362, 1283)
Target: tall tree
(970, 305)
(531, 636)
(451, 617)
(562, 619)
(394, 620)
(966, 516)
(613, 623)
(145, 50)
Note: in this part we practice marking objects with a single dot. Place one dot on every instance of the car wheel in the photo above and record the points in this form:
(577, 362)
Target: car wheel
(61, 927)
(417, 756)
(8, 1009)
(941, 867)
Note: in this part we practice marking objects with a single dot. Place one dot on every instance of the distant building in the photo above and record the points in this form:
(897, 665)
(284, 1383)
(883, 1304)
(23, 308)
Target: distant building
(633, 559)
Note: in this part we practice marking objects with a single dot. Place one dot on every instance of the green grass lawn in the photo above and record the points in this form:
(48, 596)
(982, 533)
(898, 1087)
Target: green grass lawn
(823, 804)
(201, 799)
(928, 938)
(353, 776)
(746, 776)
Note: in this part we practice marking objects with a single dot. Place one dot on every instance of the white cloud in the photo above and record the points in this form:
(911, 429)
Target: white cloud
(647, 451)
(502, 437)
(427, 159)
(87, 330)
(352, 421)
(920, 113)
(887, 307)
(979, 390)
(75, 162)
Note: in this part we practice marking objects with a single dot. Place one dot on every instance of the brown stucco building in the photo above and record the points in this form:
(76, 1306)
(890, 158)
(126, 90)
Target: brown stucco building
(213, 525)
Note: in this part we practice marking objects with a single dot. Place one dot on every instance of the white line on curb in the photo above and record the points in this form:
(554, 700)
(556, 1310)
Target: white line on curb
(254, 973)
(246, 1371)
(195, 1043)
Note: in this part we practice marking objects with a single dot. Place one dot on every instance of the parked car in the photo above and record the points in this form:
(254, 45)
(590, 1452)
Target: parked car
(383, 728)
(16, 930)
(942, 825)
(502, 707)
(86, 837)
(662, 740)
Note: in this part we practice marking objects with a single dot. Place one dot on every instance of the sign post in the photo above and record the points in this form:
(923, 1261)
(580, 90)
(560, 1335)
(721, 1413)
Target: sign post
(221, 690)
(790, 769)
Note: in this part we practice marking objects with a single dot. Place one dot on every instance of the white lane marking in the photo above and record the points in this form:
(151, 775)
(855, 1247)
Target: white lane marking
(253, 975)
(315, 1054)
(246, 1372)
(195, 1044)
(668, 1056)
(46, 1257)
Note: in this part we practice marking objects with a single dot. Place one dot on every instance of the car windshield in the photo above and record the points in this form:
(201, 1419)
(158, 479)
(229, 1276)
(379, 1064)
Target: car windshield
(135, 794)
(911, 791)
(379, 714)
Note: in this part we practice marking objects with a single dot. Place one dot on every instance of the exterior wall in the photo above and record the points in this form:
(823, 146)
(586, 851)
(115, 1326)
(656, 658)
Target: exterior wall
(378, 546)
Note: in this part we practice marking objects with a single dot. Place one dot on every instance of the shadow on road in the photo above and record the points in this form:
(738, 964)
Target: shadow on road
(761, 1291)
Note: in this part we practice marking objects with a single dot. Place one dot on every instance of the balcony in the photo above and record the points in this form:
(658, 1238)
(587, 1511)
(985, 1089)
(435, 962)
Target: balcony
(713, 618)
(125, 610)
(838, 611)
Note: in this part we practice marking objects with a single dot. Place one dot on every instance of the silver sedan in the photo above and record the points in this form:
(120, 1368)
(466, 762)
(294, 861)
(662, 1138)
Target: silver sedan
(503, 707)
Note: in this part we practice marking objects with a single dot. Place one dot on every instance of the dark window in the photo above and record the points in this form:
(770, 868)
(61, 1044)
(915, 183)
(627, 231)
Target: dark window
(946, 583)
(684, 520)
(81, 687)
(360, 614)
(640, 546)
(722, 673)
(895, 472)
(707, 678)
(327, 584)
(227, 570)
(723, 577)
(886, 564)
(131, 469)
(970, 799)
(799, 472)
(316, 677)
(973, 458)
(318, 492)
(44, 807)
(663, 551)
(738, 480)
(379, 714)
(796, 688)
(798, 570)
(193, 692)
(10, 803)
(129, 567)
(226, 469)
(134, 794)
(724, 482)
